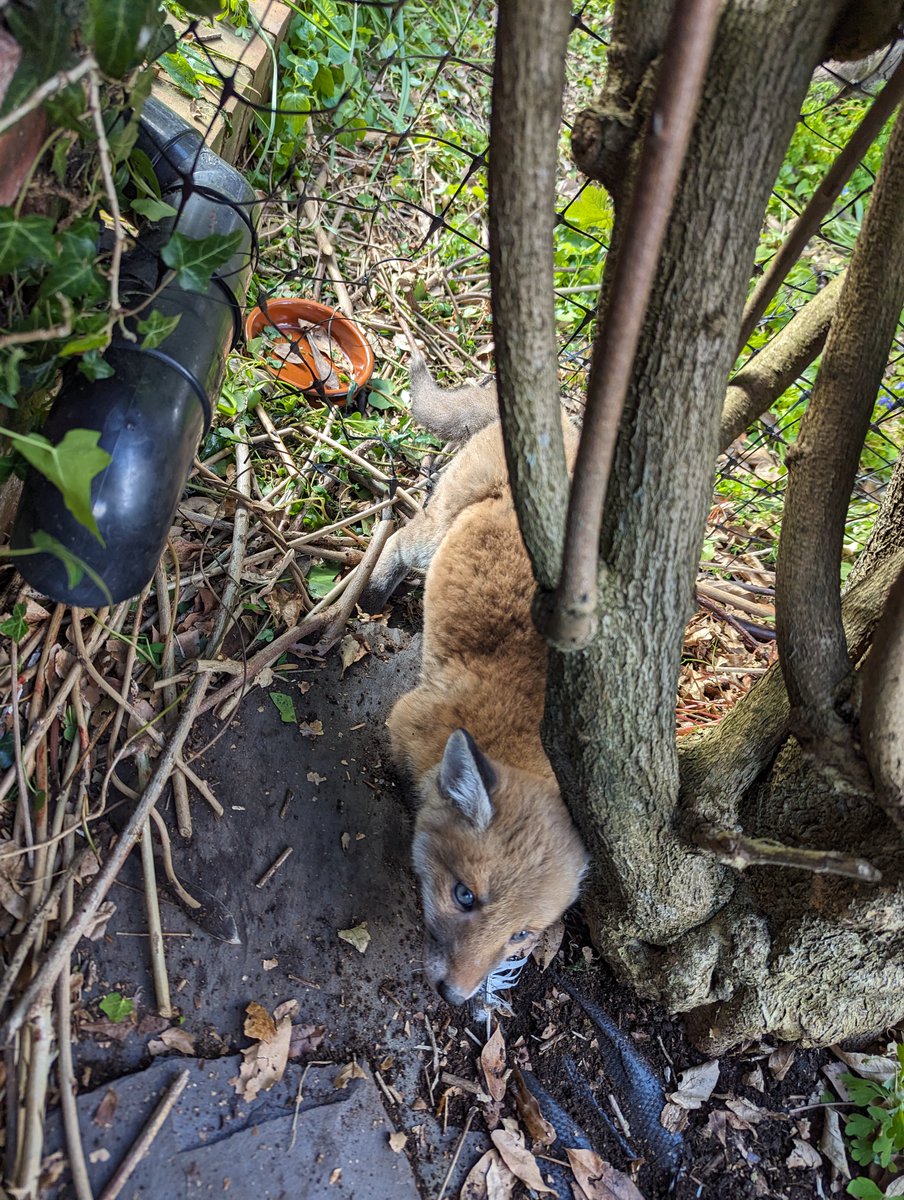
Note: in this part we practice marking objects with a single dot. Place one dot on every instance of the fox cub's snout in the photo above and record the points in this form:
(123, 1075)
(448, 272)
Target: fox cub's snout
(496, 863)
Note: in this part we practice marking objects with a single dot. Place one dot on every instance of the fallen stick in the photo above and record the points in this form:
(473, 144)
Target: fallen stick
(146, 1137)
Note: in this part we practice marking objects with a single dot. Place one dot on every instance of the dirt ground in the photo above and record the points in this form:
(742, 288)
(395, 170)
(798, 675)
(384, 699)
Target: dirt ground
(321, 784)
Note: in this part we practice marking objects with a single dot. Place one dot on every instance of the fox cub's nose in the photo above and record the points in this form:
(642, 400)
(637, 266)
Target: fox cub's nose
(449, 994)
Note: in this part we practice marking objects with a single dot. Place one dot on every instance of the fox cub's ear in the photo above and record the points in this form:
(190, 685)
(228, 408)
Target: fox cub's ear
(466, 778)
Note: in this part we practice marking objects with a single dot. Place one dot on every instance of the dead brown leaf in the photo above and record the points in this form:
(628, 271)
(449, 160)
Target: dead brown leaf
(358, 936)
(548, 946)
(305, 1039)
(349, 1072)
(310, 728)
(744, 1114)
(488, 1179)
(803, 1156)
(876, 1067)
(695, 1085)
(106, 1110)
(519, 1159)
(780, 1060)
(174, 1038)
(397, 1141)
(831, 1143)
(351, 651)
(492, 1062)
(264, 1062)
(538, 1128)
(598, 1180)
(12, 898)
(258, 1023)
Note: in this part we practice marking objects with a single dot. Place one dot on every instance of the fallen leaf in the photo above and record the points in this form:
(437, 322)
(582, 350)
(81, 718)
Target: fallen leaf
(285, 707)
(258, 1023)
(11, 895)
(269, 964)
(313, 777)
(746, 1114)
(97, 925)
(538, 1128)
(488, 1179)
(397, 1141)
(831, 1143)
(306, 1039)
(174, 1038)
(754, 1079)
(548, 945)
(780, 1060)
(357, 936)
(106, 1110)
(101, 1155)
(264, 678)
(519, 1159)
(876, 1067)
(349, 1072)
(896, 1187)
(350, 651)
(599, 1180)
(264, 1062)
(674, 1118)
(803, 1155)
(492, 1061)
(335, 1175)
(695, 1085)
(310, 728)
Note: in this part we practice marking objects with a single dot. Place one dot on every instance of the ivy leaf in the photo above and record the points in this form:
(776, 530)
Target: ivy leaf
(70, 466)
(156, 328)
(24, 240)
(195, 259)
(115, 30)
(15, 626)
(116, 1006)
(73, 276)
(154, 210)
(94, 366)
(76, 567)
(285, 706)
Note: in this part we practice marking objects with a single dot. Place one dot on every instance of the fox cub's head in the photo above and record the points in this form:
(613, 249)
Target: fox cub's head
(498, 860)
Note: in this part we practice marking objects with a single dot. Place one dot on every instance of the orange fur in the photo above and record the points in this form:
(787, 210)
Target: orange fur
(512, 844)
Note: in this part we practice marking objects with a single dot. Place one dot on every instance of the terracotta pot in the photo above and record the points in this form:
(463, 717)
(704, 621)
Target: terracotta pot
(339, 347)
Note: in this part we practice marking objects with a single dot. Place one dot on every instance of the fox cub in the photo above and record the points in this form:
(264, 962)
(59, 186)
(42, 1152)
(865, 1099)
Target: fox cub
(496, 854)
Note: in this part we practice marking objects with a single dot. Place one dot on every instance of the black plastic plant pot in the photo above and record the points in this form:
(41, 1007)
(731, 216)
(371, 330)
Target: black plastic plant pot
(151, 413)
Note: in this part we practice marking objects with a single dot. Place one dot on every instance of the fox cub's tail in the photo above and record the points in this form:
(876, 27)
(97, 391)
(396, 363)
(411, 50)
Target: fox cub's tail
(453, 414)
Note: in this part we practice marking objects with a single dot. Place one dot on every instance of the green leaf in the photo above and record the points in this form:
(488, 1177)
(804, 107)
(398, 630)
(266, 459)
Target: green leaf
(70, 466)
(865, 1189)
(24, 240)
(285, 706)
(321, 579)
(85, 342)
(94, 366)
(44, 33)
(156, 328)
(154, 210)
(74, 276)
(181, 72)
(115, 28)
(195, 259)
(116, 1006)
(15, 626)
(76, 567)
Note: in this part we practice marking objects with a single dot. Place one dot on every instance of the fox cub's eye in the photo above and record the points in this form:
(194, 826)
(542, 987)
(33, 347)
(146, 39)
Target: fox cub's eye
(463, 896)
(521, 936)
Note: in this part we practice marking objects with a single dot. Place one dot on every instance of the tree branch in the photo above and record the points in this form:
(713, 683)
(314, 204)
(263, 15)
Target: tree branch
(882, 706)
(770, 373)
(528, 80)
(821, 201)
(823, 464)
(739, 851)
(571, 622)
(887, 534)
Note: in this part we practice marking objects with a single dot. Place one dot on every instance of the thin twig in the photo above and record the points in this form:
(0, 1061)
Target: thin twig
(151, 902)
(35, 1066)
(459, 1146)
(50, 87)
(360, 577)
(166, 614)
(739, 851)
(146, 1137)
(106, 170)
(821, 201)
(691, 31)
(22, 825)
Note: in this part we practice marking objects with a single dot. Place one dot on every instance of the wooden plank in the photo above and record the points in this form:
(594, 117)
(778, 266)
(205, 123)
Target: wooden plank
(224, 123)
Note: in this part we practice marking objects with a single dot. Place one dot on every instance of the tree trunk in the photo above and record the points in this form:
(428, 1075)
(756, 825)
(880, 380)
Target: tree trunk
(615, 755)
